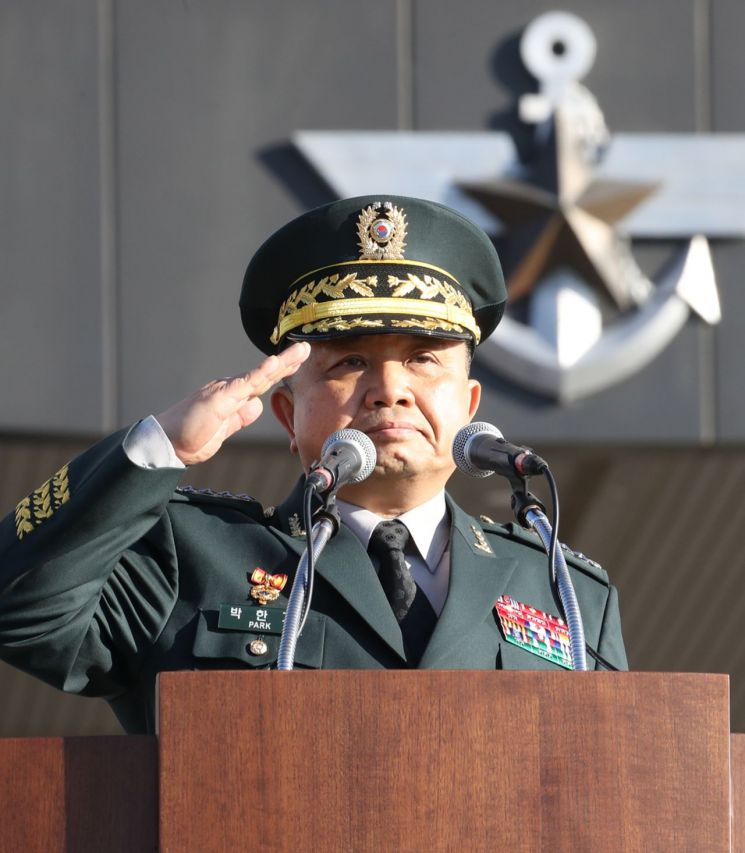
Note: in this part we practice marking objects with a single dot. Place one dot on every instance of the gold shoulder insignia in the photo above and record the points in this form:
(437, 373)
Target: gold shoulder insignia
(269, 511)
(486, 519)
(42, 503)
(481, 542)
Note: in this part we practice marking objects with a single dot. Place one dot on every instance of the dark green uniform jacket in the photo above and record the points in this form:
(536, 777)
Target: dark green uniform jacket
(108, 576)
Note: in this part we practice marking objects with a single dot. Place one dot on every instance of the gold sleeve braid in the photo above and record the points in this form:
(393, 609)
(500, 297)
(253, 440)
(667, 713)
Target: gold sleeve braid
(42, 503)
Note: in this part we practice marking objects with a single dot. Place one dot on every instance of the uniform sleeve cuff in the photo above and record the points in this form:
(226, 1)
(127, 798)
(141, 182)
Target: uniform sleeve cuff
(147, 446)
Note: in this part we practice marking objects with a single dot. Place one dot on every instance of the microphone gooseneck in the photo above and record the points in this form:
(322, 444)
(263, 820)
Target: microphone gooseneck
(347, 456)
(479, 449)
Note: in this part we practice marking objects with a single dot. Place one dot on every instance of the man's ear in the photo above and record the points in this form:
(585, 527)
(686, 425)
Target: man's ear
(474, 389)
(283, 407)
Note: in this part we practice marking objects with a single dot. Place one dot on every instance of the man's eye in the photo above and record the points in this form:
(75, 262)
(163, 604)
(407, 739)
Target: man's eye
(423, 358)
(352, 361)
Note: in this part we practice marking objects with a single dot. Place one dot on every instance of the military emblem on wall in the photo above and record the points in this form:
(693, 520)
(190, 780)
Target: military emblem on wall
(584, 314)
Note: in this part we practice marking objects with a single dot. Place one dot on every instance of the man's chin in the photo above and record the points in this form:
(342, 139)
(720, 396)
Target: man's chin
(397, 485)
(410, 467)
(391, 464)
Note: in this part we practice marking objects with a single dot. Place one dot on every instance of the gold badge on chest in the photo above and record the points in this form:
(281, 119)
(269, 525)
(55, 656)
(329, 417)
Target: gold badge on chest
(266, 587)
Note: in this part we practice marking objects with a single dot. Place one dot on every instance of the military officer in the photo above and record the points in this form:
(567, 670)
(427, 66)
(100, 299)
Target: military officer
(368, 310)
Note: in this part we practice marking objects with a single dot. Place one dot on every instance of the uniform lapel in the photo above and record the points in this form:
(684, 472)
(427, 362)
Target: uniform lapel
(345, 565)
(477, 578)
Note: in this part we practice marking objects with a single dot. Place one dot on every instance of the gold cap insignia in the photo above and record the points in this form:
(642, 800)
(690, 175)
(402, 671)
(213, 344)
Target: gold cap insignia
(381, 238)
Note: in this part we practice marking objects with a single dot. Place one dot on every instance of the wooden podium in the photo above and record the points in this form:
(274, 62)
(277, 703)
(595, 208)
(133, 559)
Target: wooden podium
(394, 761)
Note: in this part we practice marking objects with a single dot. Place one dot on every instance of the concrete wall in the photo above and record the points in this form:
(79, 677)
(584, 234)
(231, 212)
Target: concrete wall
(144, 154)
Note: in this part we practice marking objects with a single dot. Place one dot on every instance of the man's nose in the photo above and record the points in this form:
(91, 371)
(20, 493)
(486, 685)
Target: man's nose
(388, 387)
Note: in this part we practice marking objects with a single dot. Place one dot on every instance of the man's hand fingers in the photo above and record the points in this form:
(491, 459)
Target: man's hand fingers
(249, 412)
(198, 425)
(271, 371)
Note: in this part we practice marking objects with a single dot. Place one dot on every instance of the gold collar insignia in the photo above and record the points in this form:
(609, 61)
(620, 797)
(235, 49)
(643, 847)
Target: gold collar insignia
(481, 542)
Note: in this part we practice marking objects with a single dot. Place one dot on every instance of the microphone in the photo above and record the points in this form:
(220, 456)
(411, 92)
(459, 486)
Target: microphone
(479, 449)
(347, 456)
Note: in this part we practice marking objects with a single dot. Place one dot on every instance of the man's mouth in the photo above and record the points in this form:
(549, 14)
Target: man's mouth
(392, 429)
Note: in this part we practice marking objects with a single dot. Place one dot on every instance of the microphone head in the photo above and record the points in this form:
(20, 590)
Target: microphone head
(361, 445)
(460, 446)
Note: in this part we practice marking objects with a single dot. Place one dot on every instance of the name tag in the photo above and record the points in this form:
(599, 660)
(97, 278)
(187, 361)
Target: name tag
(244, 617)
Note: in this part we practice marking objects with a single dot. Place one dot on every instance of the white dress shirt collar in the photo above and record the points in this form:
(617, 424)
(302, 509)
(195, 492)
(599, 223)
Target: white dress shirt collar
(428, 525)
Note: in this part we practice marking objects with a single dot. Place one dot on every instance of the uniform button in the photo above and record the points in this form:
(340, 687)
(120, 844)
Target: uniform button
(257, 647)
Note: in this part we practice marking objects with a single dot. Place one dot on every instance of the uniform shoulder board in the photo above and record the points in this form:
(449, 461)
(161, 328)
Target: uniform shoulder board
(514, 531)
(579, 561)
(191, 492)
(211, 493)
(578, 555)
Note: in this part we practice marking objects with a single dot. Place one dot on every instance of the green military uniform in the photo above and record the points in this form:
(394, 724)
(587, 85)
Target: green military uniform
(109, 575)
(126, 578)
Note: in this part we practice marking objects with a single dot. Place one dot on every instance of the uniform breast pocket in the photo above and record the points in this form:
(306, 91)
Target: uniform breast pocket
(514, 657)
(218, 648)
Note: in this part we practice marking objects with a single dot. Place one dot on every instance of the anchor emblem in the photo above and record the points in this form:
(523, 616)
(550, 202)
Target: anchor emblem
(585, 316)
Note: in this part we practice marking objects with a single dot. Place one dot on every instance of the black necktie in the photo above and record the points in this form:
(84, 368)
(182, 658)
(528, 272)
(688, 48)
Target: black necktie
(410, 605)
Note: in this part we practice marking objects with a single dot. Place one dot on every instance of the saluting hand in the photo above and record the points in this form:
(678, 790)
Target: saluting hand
(198, 425)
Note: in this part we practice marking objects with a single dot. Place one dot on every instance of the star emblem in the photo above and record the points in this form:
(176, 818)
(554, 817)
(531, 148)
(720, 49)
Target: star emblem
(561, 217)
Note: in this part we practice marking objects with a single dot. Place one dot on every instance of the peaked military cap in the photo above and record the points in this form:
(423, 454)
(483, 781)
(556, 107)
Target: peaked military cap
(373, 264)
